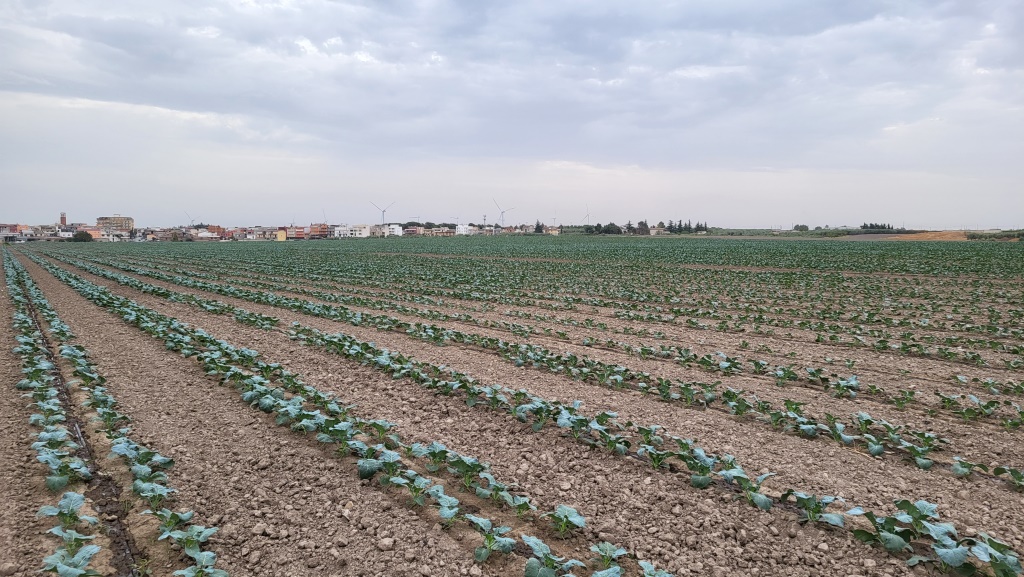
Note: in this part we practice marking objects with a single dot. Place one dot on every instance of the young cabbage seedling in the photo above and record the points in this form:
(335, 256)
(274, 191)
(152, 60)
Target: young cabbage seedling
(66, 511)
(607, 554)
(651, 571)
(656, 457)
(63, 562)
(813, 509)
(448, 506)
(905, 397)
(565, 520)
(1014, 476)
(543, 563)
(438, 455)
(415, 483)
(493, 540)
(887, 532)
(73, 540)
(191, 538)
(962, 468)
(751, 487)
(466, 467)
(700, 465)
(650, 435)
(169, 520)
(520, 504)
(1004, 561)
(154, 493)
(204, 567)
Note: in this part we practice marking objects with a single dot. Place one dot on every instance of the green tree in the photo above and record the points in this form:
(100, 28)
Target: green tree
(538, 228)
(801, 228)
(81, 236)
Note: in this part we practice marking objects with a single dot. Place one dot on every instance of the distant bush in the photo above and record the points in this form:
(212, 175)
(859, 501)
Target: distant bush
(81, 236)
(1001, 235)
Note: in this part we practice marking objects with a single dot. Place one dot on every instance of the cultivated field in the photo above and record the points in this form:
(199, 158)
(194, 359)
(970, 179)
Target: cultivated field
(511, 406)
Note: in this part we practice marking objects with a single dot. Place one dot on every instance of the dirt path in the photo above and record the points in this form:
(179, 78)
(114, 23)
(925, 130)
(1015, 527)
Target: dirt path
(283, 504)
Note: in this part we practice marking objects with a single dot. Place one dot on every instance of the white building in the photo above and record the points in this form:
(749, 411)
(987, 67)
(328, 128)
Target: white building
(358, 231)
(464, 229)
(394, 230)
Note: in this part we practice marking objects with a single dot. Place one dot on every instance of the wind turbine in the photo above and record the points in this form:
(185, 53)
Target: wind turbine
(191, 221)
(382, 210)
(501, 218)
(587, 218)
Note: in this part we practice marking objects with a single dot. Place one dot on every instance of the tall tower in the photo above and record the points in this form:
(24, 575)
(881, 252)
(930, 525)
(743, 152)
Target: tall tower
(63, 219)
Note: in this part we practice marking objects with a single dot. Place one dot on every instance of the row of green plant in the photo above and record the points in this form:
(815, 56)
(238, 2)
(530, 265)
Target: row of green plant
(605, 431)
(537, 414)
(720, 289)
(718, 362)
(54, 443)
(907, 344)
(375, 444)
(832, 383)
(213, 306)
(874, 440)
(147, 467)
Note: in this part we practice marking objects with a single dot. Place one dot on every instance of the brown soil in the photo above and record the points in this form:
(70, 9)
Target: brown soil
(23, 535)
(282, 503)
(705, 537)
(926, 376)
(939, 235)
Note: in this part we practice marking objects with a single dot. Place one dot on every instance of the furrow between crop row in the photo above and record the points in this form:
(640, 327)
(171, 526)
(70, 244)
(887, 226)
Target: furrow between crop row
(877, 434)
(389, 365)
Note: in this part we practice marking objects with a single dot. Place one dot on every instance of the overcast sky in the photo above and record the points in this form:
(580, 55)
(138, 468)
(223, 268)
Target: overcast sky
(741, 113)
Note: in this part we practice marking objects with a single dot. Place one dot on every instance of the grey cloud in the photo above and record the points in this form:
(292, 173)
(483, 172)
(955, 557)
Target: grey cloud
(798, 84)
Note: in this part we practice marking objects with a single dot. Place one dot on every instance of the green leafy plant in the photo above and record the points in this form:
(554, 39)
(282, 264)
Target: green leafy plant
(192, 538)
(963, 468)
(607, 554)
(66, 511)
(66, 564)
(651, 571)
(544, 563)
(751, 487)
(1014, 476)
(203, 567)
(73, 540)
(169, 520)
(565, 520)
(493, 539)
(903, 399)
(886, 532)
(154, 493)
(812, 508)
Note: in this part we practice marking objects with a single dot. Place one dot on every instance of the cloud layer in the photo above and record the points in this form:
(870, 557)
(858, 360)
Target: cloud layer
(755, 113)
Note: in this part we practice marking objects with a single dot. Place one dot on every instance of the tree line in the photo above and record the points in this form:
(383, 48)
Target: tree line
(642, 228)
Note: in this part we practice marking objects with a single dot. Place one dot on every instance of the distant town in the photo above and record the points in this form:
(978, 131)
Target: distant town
(119, 228)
